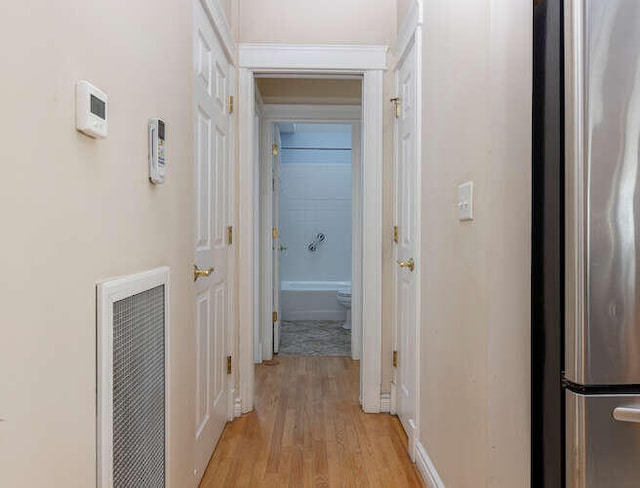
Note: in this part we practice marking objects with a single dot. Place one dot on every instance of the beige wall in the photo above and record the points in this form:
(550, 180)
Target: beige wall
(314, 91)
(509, 341)
(402, 9)
(230, 8)
(311, 21)
(474, 417)
(75, 211)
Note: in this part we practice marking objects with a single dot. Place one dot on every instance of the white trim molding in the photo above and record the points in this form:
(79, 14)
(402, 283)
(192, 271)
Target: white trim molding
(237, 407)
(385, 402)
(372, 130)
(107, 293)
(418, 241)
(258, 224)
(426, 468)
(284, 100)
(221, 27)
(247, 171)
(357, 238)
(264, 240)
(301, 57)
(393, 410)
(315, 113)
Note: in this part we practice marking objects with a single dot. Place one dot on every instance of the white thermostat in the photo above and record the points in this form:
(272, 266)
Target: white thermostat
(91, 110)
(156, 151)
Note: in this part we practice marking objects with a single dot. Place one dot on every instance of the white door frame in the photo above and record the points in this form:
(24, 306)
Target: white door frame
(411, 34)
(257, 142)
(339, 114)
(370, 62)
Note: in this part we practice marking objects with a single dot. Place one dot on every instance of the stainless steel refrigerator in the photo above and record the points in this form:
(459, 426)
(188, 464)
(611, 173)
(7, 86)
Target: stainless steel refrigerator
(602, 243)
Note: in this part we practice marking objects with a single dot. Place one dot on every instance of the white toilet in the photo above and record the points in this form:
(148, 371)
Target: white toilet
(344, 298)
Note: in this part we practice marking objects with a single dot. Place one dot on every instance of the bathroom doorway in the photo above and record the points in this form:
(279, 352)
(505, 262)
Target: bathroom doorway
(310, 231)
(313, 212)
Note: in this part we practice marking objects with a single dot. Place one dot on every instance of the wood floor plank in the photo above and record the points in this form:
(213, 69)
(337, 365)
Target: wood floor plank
(308, 430)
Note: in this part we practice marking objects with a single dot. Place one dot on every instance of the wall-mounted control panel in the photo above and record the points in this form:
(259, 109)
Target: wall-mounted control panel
(91, 110)
(465, 201)
(157, 159)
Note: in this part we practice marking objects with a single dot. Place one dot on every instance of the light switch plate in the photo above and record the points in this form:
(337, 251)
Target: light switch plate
(465, 201)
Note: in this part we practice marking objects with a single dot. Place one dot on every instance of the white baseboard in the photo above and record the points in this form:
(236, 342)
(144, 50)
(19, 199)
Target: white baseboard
(385, 402)
(237, 407)
(426, 468)
(392, 406)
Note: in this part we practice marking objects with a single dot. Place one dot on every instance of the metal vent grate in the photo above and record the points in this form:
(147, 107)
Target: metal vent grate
(139, 390)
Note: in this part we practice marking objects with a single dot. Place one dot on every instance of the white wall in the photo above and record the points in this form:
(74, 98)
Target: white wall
(403, 7)
(475, 345)
(74, 211)
(230, 9)
(315, 197)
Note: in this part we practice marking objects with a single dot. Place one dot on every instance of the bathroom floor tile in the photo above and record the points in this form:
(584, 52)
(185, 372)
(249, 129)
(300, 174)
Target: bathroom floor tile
(314, 338)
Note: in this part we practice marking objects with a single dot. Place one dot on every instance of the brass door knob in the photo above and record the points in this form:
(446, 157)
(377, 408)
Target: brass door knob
(407, 264)
(201, 273)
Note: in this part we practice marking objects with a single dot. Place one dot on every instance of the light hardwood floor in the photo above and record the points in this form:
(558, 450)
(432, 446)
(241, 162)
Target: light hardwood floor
(308, 430)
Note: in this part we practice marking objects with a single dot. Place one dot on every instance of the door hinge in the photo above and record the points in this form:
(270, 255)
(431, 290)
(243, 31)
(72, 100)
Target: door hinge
(395, 359)
(396, 106)
(395, 234)
(275, 150)
(274, 317)
(228, 364)
(274, 232)
(230, 235)
(231, 104)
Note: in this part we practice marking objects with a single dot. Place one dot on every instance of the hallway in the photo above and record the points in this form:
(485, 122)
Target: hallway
(307, 429)
(140, 175)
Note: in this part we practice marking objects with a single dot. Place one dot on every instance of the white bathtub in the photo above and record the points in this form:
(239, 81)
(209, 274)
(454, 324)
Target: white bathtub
(311, 300)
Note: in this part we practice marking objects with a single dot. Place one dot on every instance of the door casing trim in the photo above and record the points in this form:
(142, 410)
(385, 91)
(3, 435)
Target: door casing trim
(272, 114)
(322, 58)
(368, 61)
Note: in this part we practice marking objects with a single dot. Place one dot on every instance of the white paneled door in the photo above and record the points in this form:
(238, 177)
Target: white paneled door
(275, 205)
(406, 221)
(212, 173)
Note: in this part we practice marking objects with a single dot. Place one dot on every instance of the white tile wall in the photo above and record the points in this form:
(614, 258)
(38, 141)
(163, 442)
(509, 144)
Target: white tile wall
(315, 197)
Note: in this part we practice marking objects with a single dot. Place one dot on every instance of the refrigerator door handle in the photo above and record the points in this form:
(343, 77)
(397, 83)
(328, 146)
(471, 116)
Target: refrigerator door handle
(627, 414)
